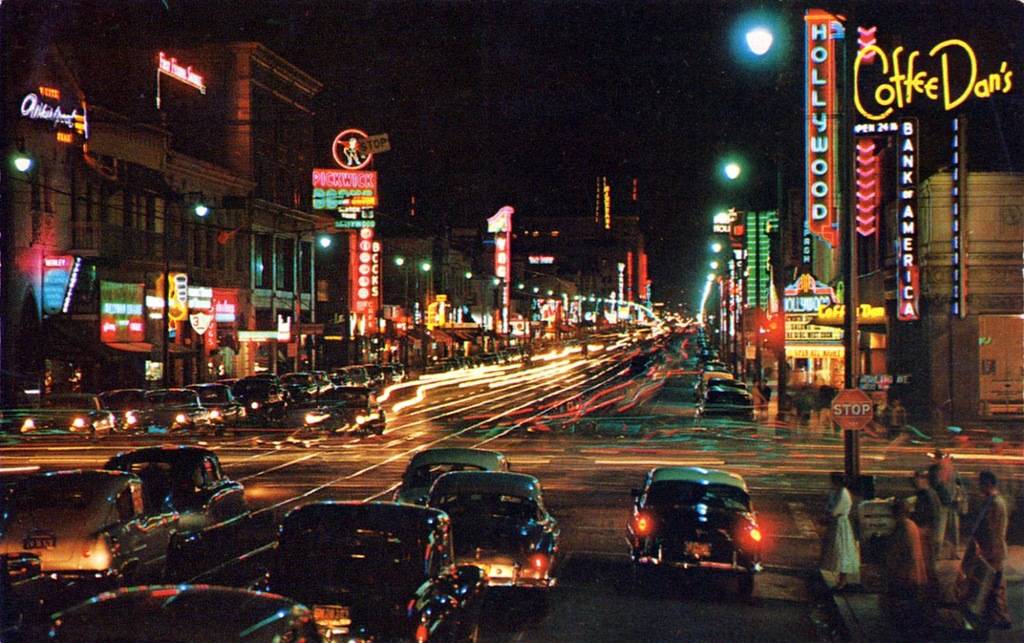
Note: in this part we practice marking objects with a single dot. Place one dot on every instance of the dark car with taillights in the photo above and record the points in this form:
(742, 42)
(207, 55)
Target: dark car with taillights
(377, 571)
(225, 410)
(129, 406)
(187, 480)
(176, 409)
(500, 523)
(687, 518)
(263, 398)
(346, 408)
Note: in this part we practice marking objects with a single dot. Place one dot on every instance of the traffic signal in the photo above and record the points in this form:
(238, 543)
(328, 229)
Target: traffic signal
(773, 332)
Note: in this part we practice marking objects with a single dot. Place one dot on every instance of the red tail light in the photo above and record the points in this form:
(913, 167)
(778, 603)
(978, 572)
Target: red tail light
(539, 562)
(422, 634)
(755, 535)
(643, 525)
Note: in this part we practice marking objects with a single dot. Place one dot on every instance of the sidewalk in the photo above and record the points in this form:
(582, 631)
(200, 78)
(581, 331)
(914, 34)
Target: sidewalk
(862, 618)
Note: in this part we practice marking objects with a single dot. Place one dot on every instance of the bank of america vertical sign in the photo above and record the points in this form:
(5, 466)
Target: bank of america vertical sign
(821, 29)
(907, 270)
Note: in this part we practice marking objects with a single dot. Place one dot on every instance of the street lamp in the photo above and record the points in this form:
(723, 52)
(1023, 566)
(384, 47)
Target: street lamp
(714, 264)
(425, 266)
(732, 170)
(325, 241)
(399, 261)
(716, 247)
(759, 40)
(469, 275)
(22, 162)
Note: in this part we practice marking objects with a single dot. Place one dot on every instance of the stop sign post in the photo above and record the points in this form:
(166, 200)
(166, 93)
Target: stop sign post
(852, 409)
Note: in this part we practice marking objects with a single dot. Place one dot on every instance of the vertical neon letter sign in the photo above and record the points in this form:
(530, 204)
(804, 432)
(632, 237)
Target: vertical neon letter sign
(907, 271)
(820, 136)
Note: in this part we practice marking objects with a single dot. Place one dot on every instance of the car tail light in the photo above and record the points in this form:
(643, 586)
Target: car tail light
(78, 423)
(755, 535)
(215, 414)
(97, 554)
(255, 405)
(130, 417)
(422, 633)
(28, 425)
(539, 563)
(643, 524)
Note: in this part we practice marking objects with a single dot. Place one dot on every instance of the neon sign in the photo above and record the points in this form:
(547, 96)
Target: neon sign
(352, 194)
(900, 86)
(822, 29)
(170, 67)
(351, 149)
(868, 187)
(121, 312)
(56, 277)
(958, 185)
(364, 271)
(34, 107)
(500, 224)
(542, 260)
(907, 271)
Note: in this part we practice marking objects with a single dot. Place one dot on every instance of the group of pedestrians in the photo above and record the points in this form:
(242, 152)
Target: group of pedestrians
(926, 530)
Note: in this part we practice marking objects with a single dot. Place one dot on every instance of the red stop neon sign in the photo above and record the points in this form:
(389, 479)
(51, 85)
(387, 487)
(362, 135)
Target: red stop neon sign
(852, 409)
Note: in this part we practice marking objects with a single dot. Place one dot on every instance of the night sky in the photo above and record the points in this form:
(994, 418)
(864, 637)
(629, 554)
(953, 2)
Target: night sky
(488, 103)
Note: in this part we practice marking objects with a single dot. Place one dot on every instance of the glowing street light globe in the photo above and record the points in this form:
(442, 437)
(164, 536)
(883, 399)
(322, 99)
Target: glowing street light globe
(425, 266)
(399, 261)
(22, 163)
(732, 171)
(714, 265)
(325, 241)
(201, 210)
(716, 247)
(759, 40)
(469, 275)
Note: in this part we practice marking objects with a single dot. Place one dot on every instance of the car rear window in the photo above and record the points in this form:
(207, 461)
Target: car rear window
(212, 393)
(121, 400)
(247, 387)
(487, 504)
(425, 475)
(51, 493)
(670, 494)
(180, 398)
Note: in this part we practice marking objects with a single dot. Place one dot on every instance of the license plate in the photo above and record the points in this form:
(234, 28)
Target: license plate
(40, 542)
(331, 615)
(499, 571)
(699, 550)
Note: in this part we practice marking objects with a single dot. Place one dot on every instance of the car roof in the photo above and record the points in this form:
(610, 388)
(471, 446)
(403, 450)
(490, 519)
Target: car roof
(490, 460)
(374, 515)
(193, 387)
(180, 612)
(697, 474)
(111, 481)
(165, 453)
(503, 482)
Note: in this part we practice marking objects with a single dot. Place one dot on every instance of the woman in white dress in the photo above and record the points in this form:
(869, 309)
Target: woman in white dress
(839, 550)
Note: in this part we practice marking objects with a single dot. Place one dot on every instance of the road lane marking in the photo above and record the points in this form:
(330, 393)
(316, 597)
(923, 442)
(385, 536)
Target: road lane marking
(280, 466)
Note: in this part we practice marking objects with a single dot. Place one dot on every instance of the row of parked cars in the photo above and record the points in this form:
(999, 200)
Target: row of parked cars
(341, 399)
(717, 392)
(457, 362)
(415, 569)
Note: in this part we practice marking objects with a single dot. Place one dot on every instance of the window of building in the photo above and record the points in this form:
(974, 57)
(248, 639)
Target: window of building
(197, 246)
(305, 265)
(241, 245)
(263, 262)
(150, 213)
(211, 248)
(284, 265)
(127, 210)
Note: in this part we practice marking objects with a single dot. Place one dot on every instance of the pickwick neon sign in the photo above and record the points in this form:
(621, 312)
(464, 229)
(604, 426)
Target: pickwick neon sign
(903, 80)
(907, 271)
(822, 29)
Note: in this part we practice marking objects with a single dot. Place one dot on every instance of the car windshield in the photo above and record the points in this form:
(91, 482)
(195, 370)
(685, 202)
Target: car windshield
(67, 402)
(346, 396)
(122, 400)
(351, 558)
(487, 505)
(425, 475)
(172, 398)
(728, 396)
(676, 494)
(51, 493)
(214, 393)
(297, 379)
(252, 387)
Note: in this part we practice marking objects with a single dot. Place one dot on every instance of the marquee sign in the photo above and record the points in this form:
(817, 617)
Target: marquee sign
(121, 312)
(351, 149)
(907, 270)
(950, 74)
(822, 29)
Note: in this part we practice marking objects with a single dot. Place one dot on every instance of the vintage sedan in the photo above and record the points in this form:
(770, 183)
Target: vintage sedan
(185, 479)
(76, 413)
(263, 398)
(695, 518)
(88, 525)
(225, 410)
(500, 523)
(176, 409)
(430, 464)
(198, 613)
(129, 407)
(377, 571)
(347, 408)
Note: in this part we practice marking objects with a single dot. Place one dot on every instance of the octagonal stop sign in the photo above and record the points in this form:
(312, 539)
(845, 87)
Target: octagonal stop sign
(852, 409)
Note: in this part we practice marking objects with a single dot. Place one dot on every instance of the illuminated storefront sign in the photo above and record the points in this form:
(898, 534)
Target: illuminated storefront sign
(758, 246)
(200, 297)
(807, 295)
(364, 275)
(541, 260)
(907, 271)
(500, 225)
(958, 178)
(645, 283)
(200, 321)
(834, 314)
(225, 306)
(121, 316)
(56, 277)
(351, 194)
(351, 149)
(67, 120)
(629, 275)
(722, 222)
(170, 67)
(869, 189)
(822, 29)
(951, 73)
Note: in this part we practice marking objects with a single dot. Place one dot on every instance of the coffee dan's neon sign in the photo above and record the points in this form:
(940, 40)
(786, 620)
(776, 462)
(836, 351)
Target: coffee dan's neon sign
(904, 80)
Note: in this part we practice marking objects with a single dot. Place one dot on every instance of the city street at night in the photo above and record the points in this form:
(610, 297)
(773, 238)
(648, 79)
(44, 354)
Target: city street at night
(419, 321)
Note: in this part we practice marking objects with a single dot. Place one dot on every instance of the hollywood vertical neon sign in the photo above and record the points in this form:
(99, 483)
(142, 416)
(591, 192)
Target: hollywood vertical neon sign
(821, 31)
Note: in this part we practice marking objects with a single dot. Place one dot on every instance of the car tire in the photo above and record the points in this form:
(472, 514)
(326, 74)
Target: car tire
(745, 584)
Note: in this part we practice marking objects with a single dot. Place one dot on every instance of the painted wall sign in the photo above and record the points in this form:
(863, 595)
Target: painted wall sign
(950, 74)
(907, 270)
(957, 196)
(121, 312)
(351, 149)
(822, 29)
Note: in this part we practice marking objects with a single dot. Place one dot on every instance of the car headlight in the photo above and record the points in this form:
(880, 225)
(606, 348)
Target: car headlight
(362, 419)
(255, 405)
(28, 425)
(215, 414)
(181, 418)
(78, 423)
(131, 418)
(315, 418)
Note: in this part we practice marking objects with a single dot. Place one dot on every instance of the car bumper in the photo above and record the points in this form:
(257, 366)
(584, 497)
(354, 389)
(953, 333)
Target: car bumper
(507, 575)
(736, 563)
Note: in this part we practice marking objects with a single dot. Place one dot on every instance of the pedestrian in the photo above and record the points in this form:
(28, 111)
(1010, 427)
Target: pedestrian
(926, 515)
(950, 487)
(840, 554)
(905, 574)
(897, 417)
(766, 392)
(760, 404)
(988, 542)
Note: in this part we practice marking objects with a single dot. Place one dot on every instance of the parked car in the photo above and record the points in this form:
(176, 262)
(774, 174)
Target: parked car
(88, 525)
(378, 375)
(347, 408)
(500, 523)
(693, 518)
(129, 407)
(300, 387)
(176, 409)
(430, 464)
(76, 413)
(195, 613)
(727, 402)
(262, 397)
(377, 572)
(225, 410)
(715, 378)
(185, 479)
(396, 372)
(350, 376)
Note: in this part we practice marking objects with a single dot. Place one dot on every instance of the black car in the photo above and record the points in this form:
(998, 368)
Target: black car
(301, 386)
(225, 410)
(694, 518)
(377, 571)
(129, 407)
(175, 409)
(186, 479)
(726, 402)
(262, 397)
(347, 408)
